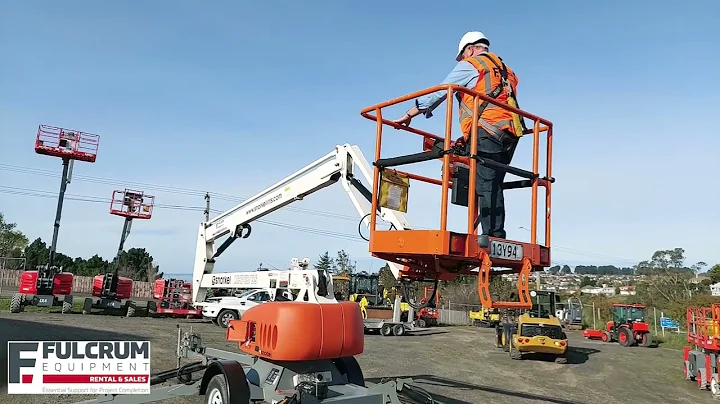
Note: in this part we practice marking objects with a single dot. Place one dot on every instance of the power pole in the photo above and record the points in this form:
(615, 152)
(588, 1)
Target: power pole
(207, 207)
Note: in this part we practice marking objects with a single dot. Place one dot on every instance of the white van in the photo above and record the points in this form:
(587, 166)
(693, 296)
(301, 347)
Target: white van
(221, 310)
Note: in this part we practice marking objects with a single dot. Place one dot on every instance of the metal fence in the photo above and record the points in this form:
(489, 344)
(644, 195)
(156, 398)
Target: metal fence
(12, 263)
(456, 314)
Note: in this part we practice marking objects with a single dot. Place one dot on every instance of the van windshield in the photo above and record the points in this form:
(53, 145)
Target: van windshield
(245, 293)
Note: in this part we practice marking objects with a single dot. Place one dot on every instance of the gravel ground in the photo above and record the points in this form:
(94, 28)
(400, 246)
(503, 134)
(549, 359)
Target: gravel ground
(456, 364)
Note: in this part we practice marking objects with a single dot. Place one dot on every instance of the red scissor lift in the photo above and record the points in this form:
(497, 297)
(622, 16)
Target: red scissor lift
(432, 255)
(173, 298)
(703, 356)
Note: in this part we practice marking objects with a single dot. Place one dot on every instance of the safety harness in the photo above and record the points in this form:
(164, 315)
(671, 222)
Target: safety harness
(517, 122)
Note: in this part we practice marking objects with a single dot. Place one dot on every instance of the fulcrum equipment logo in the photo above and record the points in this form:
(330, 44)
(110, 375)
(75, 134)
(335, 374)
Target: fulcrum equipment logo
(78, 367)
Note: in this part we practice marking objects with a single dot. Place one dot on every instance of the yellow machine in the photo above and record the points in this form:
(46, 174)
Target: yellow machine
(534, 331)
(487, 318)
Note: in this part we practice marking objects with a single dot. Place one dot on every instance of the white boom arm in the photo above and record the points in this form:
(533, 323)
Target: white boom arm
(335, 166)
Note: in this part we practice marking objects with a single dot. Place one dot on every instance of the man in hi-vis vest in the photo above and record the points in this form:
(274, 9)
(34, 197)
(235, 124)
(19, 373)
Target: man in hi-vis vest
(498, 129)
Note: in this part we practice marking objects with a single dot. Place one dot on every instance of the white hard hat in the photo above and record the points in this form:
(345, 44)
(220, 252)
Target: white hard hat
(468, 39)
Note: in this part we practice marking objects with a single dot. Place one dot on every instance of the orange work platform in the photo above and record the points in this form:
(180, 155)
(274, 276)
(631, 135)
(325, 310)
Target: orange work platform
(703, 326)
(441, 254)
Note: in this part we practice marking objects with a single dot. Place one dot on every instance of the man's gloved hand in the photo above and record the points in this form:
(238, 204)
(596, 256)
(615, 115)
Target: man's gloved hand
(460, 143)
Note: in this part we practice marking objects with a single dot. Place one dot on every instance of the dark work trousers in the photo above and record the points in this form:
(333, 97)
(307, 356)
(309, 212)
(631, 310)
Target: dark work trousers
(491, 201)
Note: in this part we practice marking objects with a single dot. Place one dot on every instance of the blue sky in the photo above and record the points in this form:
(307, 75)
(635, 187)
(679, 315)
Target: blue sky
(229, 97)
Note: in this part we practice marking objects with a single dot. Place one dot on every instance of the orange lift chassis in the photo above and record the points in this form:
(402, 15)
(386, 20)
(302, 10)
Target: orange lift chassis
(432, 255)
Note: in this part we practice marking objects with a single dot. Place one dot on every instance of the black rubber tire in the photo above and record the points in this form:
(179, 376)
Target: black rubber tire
(16, 303)
(350, 368)
(67, 307)
(646, 340)
(130, 311)
(628, 337)
(386, 330)
(422, 323)
(398, 330)
(87, 305)
(217, 388)
(229, 313)
(151, 308)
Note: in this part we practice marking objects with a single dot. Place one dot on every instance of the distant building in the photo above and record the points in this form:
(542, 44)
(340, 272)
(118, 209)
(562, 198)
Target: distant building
(715, 289)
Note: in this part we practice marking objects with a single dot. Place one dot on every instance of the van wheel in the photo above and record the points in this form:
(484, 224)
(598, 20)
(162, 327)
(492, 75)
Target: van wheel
(225, 316)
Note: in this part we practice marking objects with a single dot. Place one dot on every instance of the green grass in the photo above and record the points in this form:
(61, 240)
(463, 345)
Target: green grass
(5, 307)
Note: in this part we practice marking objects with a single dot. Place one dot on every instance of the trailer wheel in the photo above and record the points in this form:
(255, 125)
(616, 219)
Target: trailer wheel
(422, 323)
(350, 368)
(386, 330)
(16, 303)
(130, 310)
(66, 307)
(605, 336)
(714, 386)
(399, 330)
(645, 340)
(217, 390)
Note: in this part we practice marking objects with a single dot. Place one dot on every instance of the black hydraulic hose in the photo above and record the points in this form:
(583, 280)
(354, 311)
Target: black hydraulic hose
(417, 394)
(184, 373)
(430, 302)
(392, 227)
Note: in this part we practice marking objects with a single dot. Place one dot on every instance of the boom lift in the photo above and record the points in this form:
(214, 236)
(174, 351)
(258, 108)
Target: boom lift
(273, 366)
(48, 285)
(110, 289)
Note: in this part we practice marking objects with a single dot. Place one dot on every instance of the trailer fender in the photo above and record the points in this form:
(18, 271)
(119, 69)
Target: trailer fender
(237, 384)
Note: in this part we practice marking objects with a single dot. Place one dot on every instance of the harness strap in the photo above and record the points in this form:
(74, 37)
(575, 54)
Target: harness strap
(504, 84)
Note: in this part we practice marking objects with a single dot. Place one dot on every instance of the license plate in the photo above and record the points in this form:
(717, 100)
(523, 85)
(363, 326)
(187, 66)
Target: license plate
(506, 251)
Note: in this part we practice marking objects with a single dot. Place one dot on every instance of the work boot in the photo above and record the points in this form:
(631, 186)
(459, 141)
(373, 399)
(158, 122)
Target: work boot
(484, 241)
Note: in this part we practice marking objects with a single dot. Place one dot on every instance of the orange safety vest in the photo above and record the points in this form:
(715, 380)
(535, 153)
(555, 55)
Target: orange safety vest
(490, 82)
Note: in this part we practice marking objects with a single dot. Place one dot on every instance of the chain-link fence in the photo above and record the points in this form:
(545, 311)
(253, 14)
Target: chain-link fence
(456, 314)
(12, 263)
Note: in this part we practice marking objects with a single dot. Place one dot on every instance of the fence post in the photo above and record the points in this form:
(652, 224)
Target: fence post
(593, 310)
(656, 320)
(662, 329)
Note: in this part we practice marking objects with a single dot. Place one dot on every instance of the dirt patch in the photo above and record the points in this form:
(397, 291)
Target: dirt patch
(456, 364)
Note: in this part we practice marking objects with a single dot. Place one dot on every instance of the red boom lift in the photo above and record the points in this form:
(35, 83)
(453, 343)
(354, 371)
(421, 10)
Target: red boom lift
(628, 327)
(173, 298)
(110, 289)
(703, 355)
(48, 285)
(428, 316)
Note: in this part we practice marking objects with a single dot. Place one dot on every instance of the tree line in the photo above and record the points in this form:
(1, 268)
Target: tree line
(591, 270)
(18, 253)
